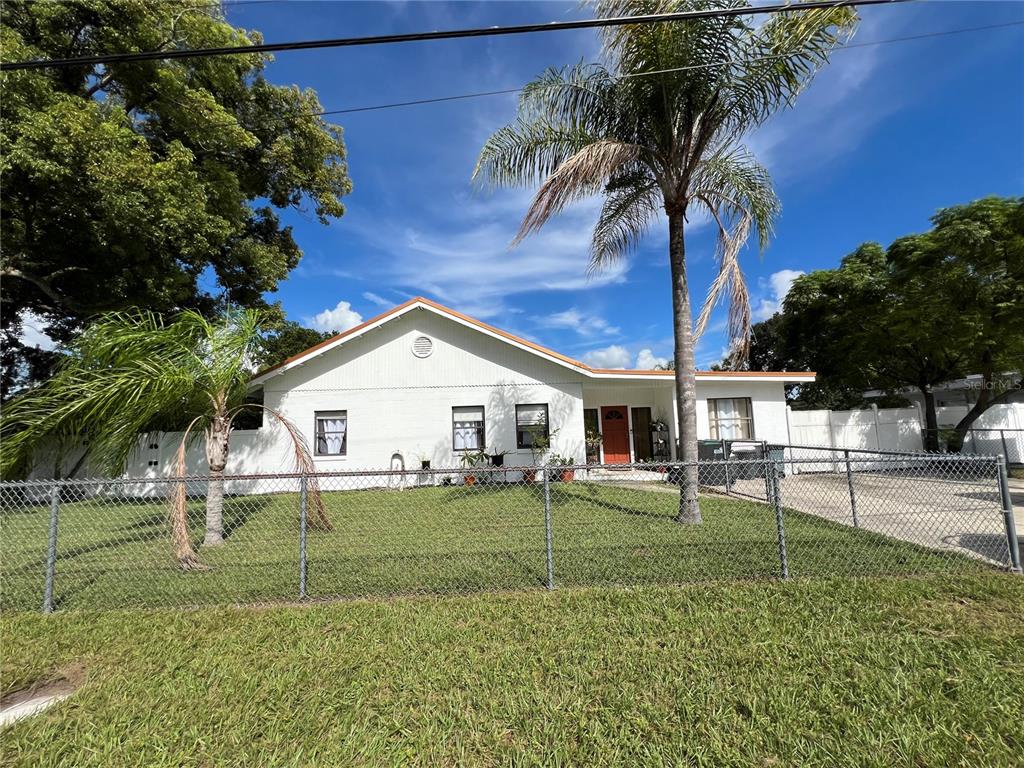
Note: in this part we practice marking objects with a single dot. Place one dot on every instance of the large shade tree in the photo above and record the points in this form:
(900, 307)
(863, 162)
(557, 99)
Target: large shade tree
(931, 307)
(130, 185)
(129, 374)
(659, 127)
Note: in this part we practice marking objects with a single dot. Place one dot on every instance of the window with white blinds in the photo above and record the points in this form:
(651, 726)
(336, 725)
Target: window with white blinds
(331, 433)
(731, 418)
(531, 420)
(468, 433)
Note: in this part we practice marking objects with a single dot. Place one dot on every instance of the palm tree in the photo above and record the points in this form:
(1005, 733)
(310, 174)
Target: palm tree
(132, 373)
(660, 127)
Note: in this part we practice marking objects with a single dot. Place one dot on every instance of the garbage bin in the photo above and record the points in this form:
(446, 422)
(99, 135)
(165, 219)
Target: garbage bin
(778, 456)
(745, 452)
(710, 451)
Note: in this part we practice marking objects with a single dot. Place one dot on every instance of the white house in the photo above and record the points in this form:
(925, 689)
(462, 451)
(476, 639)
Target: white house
(422, 382)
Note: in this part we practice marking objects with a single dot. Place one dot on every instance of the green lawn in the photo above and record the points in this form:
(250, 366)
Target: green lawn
(822, 672)
(441, 539)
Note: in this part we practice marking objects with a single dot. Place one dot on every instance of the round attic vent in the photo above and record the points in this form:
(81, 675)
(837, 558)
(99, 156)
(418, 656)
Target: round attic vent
(422, 346)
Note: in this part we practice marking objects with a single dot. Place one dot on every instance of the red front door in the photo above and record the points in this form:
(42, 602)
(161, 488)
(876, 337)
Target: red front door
(615, 434)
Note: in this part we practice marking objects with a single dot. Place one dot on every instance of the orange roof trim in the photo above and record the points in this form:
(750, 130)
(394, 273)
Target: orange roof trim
(513, 338)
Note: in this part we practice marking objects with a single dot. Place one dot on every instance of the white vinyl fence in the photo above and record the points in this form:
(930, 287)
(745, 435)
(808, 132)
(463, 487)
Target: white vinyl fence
(873, 429)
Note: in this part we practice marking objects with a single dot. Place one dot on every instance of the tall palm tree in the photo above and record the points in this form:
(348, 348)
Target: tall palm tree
(131, 373)
(659, 127)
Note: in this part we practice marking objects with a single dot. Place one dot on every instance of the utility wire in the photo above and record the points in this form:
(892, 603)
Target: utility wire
(504, 91)
(345, 42)
(518, 89)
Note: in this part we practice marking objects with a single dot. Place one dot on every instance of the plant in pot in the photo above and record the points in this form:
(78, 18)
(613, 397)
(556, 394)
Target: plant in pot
(592, 440)
(540, 444)
(561, 465)
(470, 459)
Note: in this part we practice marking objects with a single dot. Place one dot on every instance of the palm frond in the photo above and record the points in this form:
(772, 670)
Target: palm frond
(630, 206)
(737, 191)
(125, 373)
(582, 175)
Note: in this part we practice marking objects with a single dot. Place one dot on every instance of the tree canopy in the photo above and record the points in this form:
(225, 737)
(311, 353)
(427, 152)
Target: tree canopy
(133, 185)
(931, 307)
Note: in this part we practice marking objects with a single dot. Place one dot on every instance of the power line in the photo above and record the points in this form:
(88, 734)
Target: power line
(345, 42)
(505, 91)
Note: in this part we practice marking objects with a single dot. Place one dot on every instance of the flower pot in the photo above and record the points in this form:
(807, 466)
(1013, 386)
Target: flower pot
(567, 475)
(470, 479)
(529, 475)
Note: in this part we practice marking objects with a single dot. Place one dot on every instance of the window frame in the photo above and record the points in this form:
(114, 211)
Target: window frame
(715, 421)
(547, 422)
(483, 429)
(335, 414)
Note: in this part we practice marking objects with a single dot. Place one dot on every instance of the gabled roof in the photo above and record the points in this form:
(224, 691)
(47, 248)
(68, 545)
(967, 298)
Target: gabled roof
(420, 303)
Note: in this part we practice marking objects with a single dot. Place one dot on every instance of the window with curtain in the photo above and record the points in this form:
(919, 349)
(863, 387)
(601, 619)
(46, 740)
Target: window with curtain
(731, 418)
(468, 428)
(531, 420)
(331, 433)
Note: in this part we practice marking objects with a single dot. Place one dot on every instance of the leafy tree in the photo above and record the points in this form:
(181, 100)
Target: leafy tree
(931, 307)
(124, 184)
(127, 374)
(660, 128)
(284, 339)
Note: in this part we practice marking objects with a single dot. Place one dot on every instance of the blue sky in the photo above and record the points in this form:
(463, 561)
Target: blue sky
(883, 137)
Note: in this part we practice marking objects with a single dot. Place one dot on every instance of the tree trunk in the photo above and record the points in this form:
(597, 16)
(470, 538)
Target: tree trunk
(931, 421)
(217, 456)
(686, 380)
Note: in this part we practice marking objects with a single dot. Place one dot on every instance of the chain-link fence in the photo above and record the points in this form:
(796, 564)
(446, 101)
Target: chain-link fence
(93, 544)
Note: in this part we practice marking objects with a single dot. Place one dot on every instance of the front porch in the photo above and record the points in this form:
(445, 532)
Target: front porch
(629, 424)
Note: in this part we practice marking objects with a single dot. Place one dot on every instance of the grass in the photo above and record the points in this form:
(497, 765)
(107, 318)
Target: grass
(865, 672)
(115, 553)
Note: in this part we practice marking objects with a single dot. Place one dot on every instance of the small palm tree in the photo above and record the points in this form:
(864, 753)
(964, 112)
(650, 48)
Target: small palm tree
(133, 373)
(660, 128)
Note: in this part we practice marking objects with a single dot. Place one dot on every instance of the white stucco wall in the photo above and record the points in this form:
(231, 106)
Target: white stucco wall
(399, 403)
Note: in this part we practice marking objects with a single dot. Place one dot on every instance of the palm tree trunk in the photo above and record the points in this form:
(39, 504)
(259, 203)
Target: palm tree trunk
(686, 380)
(217, 456)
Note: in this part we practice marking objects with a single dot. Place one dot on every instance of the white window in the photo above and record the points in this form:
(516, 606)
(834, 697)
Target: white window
(468, 428)
(530, 420)
(731, 418)
(331, 433)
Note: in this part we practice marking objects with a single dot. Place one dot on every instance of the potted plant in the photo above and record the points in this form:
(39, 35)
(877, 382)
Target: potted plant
(540, 444)
(565, 474)
(592, 441)
(470, 459)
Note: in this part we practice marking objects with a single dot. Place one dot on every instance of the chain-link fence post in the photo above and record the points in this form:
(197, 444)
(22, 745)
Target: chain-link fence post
(779, 523)
(547, 528)
(727, 484)
(303, 524)
(853, 495)
(51, 549)
(1006, 450)
(1007, 503)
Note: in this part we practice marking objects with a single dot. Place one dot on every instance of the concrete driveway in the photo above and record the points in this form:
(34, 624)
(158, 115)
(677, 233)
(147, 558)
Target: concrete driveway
(963, 515)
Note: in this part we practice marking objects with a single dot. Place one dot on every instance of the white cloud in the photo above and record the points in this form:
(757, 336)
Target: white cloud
(585, 324)
(461, 255)
(374, 298)
(614, 356)
(778, 285)
(646, 360)
(32, 333)
(339, 319)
